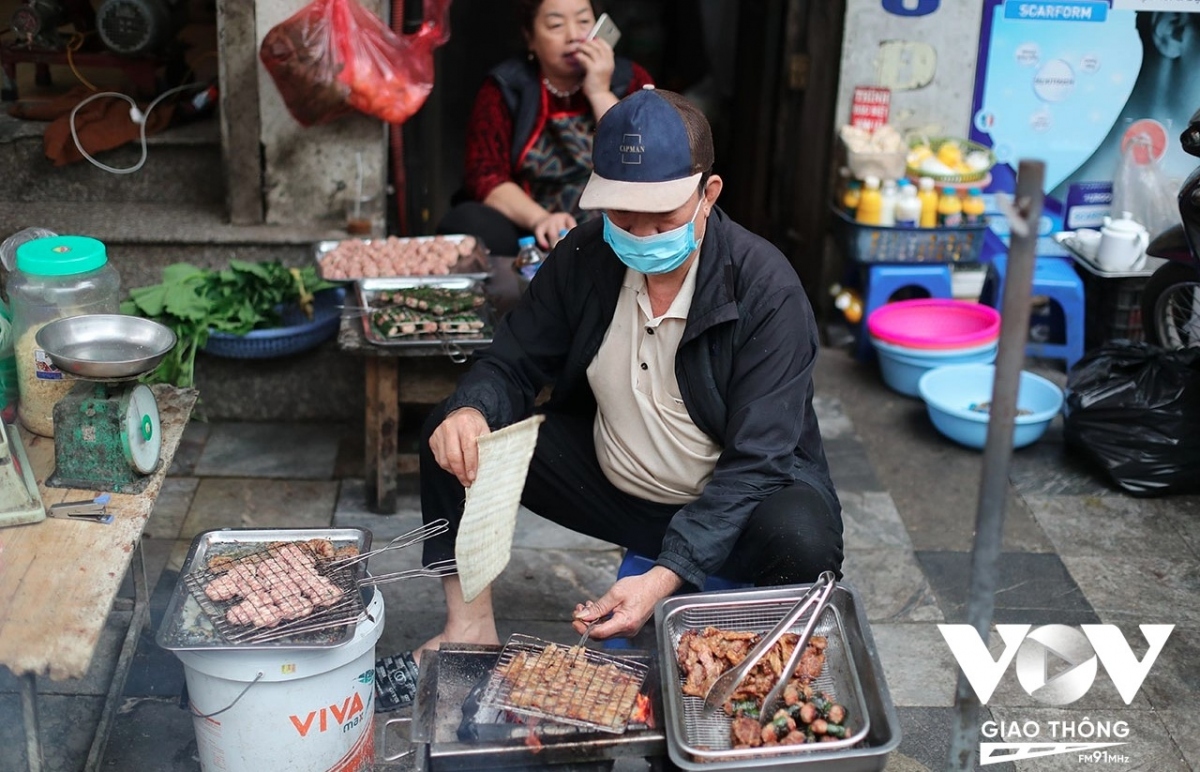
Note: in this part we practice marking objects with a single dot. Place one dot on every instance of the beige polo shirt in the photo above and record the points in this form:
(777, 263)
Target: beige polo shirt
(646, 442)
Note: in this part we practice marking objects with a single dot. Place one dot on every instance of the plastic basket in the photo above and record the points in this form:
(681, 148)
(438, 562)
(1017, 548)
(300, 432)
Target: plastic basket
(967, 146)
(884, 165)
(878, 244)
(1112, 308)
(297, 334)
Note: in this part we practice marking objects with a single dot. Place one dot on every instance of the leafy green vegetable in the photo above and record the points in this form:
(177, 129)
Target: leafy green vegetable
(193, 302)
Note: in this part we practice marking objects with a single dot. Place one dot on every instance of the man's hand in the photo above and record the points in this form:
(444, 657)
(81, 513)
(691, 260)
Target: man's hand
(546, 230)
(630, 601)
(455, 443)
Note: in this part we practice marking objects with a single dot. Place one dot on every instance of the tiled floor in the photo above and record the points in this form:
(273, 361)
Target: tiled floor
(1075, 552)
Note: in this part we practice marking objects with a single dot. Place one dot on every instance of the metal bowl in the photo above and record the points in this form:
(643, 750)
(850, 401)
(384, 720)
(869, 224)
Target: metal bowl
(105, 346)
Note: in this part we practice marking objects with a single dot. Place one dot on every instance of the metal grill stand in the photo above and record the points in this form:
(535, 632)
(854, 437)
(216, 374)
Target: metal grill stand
(445, 686)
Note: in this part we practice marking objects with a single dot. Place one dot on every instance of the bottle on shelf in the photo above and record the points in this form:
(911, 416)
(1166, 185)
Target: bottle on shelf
(529, 260)
(849, 302)
(887, 208)
(908, 207)
(949, 209)
(973, 207)
(851, 196)
(929, 201)
(870, 203)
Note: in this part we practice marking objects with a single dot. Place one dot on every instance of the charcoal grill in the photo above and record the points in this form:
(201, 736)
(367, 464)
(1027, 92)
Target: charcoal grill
(452, 732)
(852, 676)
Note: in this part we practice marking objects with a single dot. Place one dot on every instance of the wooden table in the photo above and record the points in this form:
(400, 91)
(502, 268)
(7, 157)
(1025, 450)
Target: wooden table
(426, 377)
(59, 580)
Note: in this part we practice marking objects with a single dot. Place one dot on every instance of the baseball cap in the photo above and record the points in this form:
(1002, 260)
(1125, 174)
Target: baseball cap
(649, 153)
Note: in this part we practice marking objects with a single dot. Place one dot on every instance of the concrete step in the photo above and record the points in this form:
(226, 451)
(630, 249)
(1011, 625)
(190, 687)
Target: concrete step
(143, 238)
(183, 165)
(319, 385)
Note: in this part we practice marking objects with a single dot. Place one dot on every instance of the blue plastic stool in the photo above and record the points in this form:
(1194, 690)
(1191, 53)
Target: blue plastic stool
(883, 281)
(636, 565)
(1053, 278)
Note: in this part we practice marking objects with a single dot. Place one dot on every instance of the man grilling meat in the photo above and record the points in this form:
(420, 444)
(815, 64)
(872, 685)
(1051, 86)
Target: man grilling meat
(680, 349)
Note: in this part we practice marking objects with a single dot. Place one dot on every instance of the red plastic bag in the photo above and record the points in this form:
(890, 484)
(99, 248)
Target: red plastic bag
(334, 55)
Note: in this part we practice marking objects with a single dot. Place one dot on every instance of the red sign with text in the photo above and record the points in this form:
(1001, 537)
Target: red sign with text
(871, 107)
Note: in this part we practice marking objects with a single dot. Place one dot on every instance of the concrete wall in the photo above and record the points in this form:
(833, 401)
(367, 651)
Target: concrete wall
(927, 61)
(307, 172)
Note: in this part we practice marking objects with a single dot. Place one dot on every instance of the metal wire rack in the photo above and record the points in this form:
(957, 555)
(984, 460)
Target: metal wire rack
(570, 684)
(282, 600)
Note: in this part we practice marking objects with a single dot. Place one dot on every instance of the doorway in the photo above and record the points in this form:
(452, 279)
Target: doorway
(764, 72)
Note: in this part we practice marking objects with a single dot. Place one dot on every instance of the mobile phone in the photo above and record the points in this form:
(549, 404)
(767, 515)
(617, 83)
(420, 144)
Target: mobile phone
(606, 30)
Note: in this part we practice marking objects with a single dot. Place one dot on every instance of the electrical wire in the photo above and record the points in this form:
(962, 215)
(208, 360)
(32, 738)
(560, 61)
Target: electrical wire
(73, 45)
(135, 115)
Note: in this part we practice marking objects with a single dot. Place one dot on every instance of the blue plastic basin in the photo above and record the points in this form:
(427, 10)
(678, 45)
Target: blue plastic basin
(950, 391)
(902, 371)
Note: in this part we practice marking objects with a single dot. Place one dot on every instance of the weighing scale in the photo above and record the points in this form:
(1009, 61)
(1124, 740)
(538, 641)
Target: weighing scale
(107, 430)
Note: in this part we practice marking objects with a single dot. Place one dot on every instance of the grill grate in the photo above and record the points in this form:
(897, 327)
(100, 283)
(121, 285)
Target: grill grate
(708, 739)
(284, 591)
(570, 684)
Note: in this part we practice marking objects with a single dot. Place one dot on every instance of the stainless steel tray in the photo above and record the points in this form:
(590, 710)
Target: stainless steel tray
(852, 675)
(185, 626)
(322, 249)
(367, 291)
(1066, 240)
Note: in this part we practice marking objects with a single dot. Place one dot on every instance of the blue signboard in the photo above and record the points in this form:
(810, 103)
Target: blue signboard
(1063, 81)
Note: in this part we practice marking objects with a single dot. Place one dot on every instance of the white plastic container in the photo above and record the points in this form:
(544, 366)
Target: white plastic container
(887, 214)
(312, 710)
(908, 208)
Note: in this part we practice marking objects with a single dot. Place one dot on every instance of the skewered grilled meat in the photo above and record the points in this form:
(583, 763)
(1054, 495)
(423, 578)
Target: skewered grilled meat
(398, 322)
(439, 301)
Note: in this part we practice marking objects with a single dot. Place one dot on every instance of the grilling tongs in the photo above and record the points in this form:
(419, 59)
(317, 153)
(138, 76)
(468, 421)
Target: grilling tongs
(723, 688)
(416, 536)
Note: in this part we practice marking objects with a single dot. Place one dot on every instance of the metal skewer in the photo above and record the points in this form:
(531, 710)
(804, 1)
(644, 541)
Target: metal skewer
(415, 536)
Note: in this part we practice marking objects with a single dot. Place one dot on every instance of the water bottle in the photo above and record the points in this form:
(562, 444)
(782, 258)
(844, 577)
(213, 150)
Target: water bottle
(529, 260)
(887, 208)
(908, 207)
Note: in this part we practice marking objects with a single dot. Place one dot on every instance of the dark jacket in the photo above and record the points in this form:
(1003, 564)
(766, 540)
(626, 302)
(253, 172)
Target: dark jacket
(520, 82)
(744, 368)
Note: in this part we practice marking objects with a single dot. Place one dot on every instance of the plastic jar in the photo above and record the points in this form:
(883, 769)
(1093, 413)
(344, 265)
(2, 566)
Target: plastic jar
(54, 278)
(8, 366)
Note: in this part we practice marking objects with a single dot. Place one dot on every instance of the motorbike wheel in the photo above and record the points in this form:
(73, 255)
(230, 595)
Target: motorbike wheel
(1171, 307)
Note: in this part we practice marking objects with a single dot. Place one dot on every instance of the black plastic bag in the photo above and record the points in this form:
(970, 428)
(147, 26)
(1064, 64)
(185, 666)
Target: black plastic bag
(1134, 410)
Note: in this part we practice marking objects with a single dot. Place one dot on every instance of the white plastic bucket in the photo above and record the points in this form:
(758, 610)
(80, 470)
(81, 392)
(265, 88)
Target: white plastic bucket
(310, 710)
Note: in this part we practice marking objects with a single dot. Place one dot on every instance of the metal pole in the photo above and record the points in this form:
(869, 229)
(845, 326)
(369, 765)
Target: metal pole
(997, 451)
(33, 728)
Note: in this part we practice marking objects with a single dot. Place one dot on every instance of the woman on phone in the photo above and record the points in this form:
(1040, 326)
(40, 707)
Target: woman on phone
(529, 137)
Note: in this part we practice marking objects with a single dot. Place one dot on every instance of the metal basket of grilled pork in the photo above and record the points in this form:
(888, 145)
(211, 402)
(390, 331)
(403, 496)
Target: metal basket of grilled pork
(291, 587)
(569, 684)
(850, 676)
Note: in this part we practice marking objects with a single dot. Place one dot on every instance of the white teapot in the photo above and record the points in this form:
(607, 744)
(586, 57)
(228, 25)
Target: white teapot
(1123, 244)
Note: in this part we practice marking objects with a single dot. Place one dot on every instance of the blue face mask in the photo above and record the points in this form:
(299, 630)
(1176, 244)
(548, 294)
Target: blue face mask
(660, 253)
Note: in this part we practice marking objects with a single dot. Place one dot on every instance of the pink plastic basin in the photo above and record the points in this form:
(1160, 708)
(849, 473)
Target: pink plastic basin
(935, 324)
